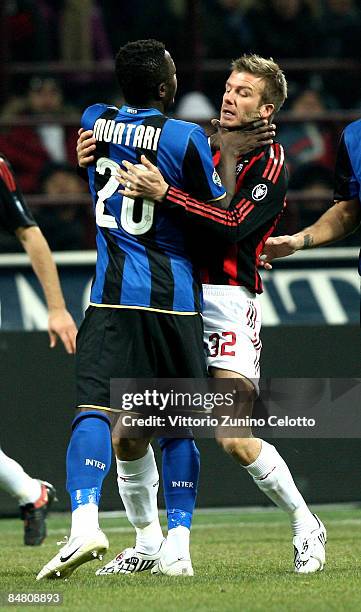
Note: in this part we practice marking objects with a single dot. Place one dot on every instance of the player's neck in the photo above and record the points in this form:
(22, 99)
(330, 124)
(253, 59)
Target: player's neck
(158, 104)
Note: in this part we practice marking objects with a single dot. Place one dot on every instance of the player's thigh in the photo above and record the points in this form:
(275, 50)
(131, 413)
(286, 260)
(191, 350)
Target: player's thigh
(111, 344)
(180, 346)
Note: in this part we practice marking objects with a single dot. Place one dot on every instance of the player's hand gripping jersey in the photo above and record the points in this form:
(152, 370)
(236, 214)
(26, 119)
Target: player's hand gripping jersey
(14, 212)
(142, 258)
(251, 218)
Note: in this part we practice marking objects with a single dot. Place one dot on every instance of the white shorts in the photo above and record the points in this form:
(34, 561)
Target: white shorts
(232, 324)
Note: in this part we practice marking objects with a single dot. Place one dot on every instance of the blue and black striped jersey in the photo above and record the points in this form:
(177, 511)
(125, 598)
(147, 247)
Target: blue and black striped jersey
(348, 167)
(142, 257)
(348, 164)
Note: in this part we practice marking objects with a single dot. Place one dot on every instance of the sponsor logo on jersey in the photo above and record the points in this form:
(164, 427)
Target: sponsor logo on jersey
(182, 483)
(132, 111)
(259, 192)
(216, 179)
(239, 167)
(95, 463)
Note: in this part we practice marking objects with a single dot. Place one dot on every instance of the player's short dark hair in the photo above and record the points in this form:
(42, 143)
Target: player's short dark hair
(275, 89)
(140, 67)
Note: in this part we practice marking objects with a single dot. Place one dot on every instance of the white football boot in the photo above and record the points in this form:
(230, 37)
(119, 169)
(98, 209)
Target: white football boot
(129, 561)
(310, 549)
(77, 550)
(170, 566)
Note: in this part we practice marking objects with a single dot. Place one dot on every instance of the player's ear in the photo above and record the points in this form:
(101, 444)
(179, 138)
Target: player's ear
(162, 91)
(266, 110)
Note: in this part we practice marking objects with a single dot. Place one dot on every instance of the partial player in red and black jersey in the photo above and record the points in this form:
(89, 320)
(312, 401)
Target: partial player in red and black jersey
(34, 496)
(251, 218)
(256, 88)
(16, 218)
(14, 212)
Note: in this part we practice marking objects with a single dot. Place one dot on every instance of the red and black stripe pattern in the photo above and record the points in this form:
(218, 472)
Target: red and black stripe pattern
(14, 212)
(257, 345)
(251, 218)
(7, 175)
(251, 315)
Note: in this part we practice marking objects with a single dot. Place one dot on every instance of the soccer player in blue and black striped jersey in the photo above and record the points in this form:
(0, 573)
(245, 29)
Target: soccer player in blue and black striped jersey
(144, 319)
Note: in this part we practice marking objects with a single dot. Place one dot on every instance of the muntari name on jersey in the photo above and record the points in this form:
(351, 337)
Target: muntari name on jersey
(140, 136)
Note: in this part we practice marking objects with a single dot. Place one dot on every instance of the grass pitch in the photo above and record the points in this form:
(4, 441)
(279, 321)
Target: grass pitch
(242, 561)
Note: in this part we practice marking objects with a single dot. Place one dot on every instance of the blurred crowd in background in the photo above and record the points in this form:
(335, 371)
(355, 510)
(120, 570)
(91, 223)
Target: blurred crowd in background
(203, 36)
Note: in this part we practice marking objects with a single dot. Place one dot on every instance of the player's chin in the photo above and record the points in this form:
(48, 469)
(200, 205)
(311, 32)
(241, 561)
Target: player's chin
(228, 124)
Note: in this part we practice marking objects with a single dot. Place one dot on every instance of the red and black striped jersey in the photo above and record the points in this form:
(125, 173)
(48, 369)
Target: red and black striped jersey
(235, 237)
(14, 212)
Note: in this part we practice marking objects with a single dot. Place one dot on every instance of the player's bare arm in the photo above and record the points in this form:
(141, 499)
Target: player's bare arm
(60, 322)
(341, 219)
(230, 145)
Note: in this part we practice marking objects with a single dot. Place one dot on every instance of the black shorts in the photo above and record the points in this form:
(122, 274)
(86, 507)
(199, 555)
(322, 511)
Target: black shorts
(127, 343)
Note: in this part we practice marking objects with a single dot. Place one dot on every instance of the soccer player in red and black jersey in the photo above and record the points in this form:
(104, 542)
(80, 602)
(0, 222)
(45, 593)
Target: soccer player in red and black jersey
(255, 89)
(34, 496)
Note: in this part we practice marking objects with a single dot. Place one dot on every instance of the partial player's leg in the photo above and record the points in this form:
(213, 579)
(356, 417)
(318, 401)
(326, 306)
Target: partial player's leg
(34, 498)
(137, 473)
(138, 476)
(88, 462)
(89, 450)
(181, 466)
(138, 483)
(272, 476)
(262, 461)
(183, 357)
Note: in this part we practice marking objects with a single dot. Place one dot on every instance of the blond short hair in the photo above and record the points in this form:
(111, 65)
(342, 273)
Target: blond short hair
(275, 89)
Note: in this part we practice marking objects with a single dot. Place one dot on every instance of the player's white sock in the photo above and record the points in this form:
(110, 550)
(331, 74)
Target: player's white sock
(15, 481)
(84, 520)
(178, 543)
(272, 476)
(138, 483)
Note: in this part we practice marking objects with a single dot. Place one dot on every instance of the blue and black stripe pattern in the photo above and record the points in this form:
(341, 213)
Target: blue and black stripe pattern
(143, 260)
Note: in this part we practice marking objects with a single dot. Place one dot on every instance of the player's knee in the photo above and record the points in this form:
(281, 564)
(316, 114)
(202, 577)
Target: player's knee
(236, 447)
(246, 391)
(127, 449)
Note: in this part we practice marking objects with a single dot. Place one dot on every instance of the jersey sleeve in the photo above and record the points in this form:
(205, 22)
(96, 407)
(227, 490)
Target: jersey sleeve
(91, 114)
(346, 184)
(200, 178)
(14, 212)
(260, 198)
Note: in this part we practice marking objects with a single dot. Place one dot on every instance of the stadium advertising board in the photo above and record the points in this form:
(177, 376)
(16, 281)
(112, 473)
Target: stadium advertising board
(320, 287)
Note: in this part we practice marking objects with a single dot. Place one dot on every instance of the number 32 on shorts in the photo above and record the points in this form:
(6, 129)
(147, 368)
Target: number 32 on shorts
(136, 228)
(219, 345)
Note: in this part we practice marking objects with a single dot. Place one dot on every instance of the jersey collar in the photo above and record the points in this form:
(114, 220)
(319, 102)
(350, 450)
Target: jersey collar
(132, 111)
